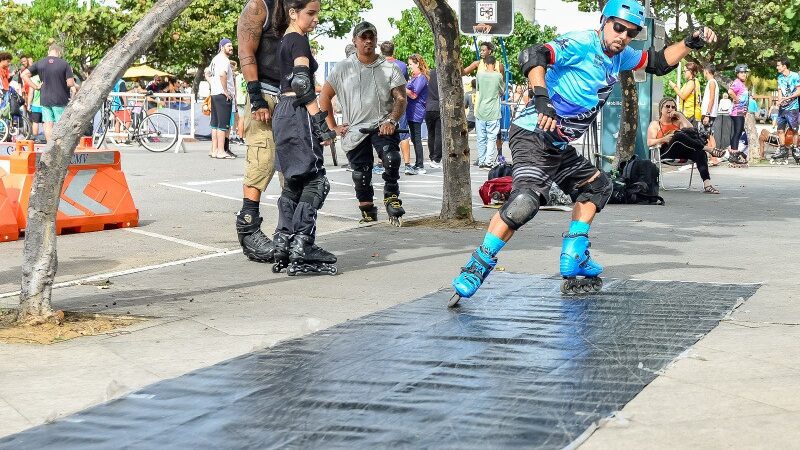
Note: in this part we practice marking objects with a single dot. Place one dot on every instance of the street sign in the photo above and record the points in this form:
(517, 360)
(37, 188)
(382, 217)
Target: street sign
(487, 17)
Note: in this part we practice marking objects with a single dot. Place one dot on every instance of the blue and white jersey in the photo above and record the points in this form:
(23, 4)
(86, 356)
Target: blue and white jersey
(579, 81)
(787, 85)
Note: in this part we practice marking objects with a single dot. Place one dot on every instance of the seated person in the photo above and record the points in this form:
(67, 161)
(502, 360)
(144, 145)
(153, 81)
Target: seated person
(677, 139)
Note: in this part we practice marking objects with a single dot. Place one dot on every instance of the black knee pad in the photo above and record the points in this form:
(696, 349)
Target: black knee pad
(391, 157)
(292, 189)
(521, 206)
(362, 180)
(315, 192)
(597, 192)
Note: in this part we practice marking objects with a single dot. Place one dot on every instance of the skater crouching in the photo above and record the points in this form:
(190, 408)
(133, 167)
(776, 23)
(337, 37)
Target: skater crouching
(300, 132)
(372, 95)
(572, 77)
(677, 139)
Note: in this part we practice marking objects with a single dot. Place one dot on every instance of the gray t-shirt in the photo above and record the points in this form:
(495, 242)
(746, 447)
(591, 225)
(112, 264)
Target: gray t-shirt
(364, 93)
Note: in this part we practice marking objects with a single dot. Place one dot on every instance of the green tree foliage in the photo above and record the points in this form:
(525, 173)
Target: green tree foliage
(415, 36)
(190, 41)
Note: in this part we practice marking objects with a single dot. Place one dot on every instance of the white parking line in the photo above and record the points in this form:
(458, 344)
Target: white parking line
(176, 240)
(201, 183)
(228, 197)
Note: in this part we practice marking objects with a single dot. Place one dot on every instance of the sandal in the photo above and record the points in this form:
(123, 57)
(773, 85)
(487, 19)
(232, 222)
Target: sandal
(716, 152)
(710, 189)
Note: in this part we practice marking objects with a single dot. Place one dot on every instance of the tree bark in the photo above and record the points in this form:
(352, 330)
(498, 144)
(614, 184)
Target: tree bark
(456, 189)
(628, 120)
(40, 260)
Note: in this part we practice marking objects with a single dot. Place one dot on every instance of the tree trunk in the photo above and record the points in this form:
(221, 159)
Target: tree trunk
(456, 190)
(40, 260)
(628, 120)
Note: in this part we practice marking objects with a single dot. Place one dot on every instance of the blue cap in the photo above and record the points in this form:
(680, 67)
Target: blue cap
(630, 10)
(224, 41)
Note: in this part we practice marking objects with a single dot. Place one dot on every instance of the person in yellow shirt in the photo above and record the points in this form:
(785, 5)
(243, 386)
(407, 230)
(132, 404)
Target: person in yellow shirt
(690, 104)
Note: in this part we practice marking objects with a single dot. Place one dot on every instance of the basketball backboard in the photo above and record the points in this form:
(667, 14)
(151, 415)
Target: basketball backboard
(487, 17)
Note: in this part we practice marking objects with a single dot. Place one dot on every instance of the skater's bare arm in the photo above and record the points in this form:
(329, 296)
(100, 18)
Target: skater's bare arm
(398, 109)
(248, 33)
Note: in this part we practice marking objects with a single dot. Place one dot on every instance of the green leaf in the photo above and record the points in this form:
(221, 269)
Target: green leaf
(719, 20)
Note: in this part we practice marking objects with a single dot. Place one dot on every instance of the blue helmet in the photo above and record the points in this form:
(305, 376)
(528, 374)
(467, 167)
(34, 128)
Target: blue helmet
(630, 10)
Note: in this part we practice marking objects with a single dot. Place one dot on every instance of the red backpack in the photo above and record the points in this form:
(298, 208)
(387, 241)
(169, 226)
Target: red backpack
(496, 189)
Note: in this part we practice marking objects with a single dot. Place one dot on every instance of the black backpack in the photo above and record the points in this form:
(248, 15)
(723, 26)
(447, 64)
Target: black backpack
(638, 184)
(500, 170)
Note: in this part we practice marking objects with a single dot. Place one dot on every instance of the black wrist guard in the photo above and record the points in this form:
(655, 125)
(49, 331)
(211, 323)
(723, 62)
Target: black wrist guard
(256, 97)
(320, 127)
(541, 99)
(696, 42)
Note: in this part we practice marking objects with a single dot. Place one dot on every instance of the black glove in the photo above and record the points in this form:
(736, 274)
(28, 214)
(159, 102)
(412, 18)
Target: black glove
(256, 97)
(696, 42)
(541, 99)
(320, 127)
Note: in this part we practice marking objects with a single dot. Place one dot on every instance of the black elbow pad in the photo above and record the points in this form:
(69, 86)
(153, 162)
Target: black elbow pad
(535, 56)
(302, 85)
(657, 63)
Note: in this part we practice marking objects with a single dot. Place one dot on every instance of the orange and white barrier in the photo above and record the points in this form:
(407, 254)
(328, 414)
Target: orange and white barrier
(95, 195)
(9, 230)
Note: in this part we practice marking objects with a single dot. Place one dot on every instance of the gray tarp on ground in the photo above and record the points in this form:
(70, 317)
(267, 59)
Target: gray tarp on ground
(517, 366)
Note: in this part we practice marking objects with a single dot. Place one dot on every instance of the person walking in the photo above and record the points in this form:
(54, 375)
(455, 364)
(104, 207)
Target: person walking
(222, 92)
(433, 121)
(740, 96)
(487, 113)
(259, 44)
(300, 130)
(417, 91)
(57, 86)
(572, 77)
(387, 50)
(372, 96)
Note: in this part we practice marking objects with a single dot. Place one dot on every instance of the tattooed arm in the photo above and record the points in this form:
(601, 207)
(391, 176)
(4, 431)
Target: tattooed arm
(248, 31)
(398, 110)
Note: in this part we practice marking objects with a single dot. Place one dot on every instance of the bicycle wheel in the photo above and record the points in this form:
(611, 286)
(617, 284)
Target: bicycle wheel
(333, 153)
(4, 134)
(158, 132)
(23, 129)
(99, 134)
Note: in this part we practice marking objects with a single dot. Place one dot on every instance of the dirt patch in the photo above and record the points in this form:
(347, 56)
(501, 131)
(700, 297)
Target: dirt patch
(61, 326)
(435, 222)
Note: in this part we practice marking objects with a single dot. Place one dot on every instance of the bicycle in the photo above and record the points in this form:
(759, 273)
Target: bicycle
(157, 132)
(16, 126)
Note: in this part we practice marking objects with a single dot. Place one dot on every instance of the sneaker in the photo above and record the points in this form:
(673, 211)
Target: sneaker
(476, 163)
(378, 170)
(420, 170)
(410, 170)
(435, 165)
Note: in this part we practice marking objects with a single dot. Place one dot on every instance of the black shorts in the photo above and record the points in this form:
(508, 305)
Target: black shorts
(221, 109)
(36, 117)
(299, 152)
(361, 156)
(538, 163)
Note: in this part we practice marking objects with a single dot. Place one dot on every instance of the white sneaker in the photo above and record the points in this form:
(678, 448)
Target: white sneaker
(410, 170)
(435, 165)
(421, 170)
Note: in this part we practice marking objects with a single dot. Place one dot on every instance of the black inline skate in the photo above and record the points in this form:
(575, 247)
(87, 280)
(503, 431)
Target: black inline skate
(305, 257)
(369, 213)
(781, 156)
(796, 154)
(256, 246)
(737, 159)
(394, 208)
(281, 242)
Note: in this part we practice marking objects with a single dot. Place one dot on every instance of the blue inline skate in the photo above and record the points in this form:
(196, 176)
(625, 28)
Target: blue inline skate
(580, 271)
(472, 275)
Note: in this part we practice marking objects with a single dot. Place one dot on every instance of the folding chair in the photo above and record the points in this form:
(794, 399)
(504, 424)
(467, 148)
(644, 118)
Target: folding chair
(655, 156)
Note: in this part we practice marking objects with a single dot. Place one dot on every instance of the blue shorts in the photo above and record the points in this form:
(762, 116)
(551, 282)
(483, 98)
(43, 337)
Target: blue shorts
(52, 113)
(788, 118)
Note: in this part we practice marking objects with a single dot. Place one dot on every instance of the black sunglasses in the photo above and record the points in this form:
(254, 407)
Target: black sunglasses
(670, 106)
(620, 28)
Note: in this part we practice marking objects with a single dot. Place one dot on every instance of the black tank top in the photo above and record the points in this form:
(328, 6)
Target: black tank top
(267, 54)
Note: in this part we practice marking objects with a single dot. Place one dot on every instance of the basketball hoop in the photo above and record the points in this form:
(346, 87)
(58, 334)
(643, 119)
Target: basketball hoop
(481, 29)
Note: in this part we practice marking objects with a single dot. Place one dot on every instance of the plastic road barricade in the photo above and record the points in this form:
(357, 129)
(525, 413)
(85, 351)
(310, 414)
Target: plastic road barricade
(9, 230)
(95, 195)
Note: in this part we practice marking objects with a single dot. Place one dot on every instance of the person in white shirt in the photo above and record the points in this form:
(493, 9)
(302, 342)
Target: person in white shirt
(222, 95)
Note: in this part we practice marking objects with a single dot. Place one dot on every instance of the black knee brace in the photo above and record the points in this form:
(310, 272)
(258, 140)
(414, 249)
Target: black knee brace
(362, 180)
(292, 189)
(315, 192)
(521, 206)
(597, 192)
(391, 157)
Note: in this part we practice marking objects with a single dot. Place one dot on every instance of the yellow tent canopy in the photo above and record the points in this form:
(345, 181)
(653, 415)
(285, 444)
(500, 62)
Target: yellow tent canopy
(144, 71)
